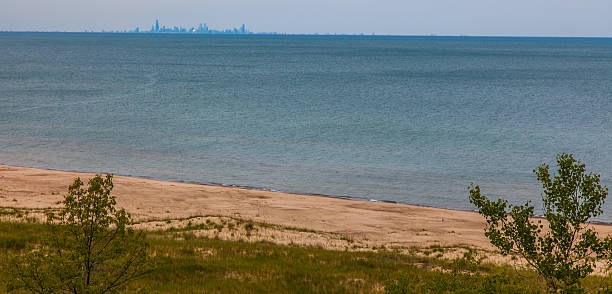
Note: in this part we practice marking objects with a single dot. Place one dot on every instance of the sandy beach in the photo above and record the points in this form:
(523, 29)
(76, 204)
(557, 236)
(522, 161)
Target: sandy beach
(378, 223)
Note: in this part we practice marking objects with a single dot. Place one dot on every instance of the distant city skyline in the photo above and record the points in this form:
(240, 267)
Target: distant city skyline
(586, 18)
(201, 28)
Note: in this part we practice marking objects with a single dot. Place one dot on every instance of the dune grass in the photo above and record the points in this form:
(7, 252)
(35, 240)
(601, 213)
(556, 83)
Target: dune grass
(184, 263)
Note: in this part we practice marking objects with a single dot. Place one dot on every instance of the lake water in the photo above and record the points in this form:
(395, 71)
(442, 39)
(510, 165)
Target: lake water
(406, 119)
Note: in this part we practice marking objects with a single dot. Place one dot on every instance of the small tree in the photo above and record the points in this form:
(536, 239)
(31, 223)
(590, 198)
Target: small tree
(567, 251)
(90, 248)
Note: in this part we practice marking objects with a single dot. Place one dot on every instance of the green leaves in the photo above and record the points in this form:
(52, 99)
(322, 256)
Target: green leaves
(566, 252)
(90, 248)
(572, 194)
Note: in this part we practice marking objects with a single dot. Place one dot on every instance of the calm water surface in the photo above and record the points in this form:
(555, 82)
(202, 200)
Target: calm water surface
(413, 120)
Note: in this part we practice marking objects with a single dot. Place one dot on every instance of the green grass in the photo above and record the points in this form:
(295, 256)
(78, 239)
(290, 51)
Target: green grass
(196, 265)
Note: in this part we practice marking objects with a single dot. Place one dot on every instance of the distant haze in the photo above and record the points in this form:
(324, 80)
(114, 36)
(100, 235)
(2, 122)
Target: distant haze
(397, 17)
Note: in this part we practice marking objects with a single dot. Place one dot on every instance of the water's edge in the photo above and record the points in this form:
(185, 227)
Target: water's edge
(269, 190)
(253, 188)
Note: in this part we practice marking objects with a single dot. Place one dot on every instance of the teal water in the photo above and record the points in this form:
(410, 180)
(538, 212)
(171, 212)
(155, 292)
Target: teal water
(405, 119)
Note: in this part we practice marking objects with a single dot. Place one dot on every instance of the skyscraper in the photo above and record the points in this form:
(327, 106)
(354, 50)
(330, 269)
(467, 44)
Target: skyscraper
(157, 25)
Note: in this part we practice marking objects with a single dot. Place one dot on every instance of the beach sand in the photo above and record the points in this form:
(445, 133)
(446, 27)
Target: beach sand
(374, 223)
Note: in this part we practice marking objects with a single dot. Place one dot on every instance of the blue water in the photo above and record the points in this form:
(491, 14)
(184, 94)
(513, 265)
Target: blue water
(405, 119)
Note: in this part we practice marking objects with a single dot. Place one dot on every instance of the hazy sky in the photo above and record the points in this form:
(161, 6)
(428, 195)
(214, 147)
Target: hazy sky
(402, 17)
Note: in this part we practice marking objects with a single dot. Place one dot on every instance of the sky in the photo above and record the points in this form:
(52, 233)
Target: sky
(394, 17)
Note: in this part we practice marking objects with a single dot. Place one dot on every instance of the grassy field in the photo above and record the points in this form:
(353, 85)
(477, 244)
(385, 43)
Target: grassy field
(185, 263)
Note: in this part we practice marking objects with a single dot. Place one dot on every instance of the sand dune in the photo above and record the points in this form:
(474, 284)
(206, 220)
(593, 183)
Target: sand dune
(380, 223)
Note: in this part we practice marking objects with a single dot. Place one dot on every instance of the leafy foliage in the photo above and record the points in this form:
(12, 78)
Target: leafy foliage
(566, 251)
(89, 248)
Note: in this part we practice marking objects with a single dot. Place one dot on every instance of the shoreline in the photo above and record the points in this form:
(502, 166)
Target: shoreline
(252, 188)
(377, 223)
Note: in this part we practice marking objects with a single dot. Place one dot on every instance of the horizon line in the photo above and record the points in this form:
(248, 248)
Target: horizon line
(306, 34)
